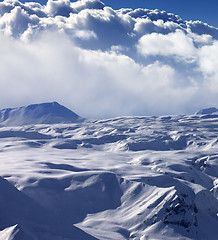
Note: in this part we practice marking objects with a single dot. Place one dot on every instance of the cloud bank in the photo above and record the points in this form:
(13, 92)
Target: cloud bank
(103, 63)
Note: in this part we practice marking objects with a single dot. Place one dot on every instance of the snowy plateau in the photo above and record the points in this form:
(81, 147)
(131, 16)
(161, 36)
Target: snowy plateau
(68, 178)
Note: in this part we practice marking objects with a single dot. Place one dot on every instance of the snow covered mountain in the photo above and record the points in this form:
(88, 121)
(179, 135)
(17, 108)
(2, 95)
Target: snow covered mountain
(205, 111)
(122, 178)
(42, 113)
(28, 220)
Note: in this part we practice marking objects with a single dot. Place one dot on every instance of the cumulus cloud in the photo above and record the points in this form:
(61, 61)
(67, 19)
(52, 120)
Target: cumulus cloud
(103, 62)
(176, 44)
(17, 21)
(94, 82)
(208, 58)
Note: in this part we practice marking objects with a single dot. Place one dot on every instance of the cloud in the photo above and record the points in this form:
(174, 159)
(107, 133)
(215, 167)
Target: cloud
(32, 8)
(173, 44)
(103, 62)
(147, 26)
(154, 15)
(61, 8)
(110, 27)
(93, 83)
(16, 22)
(208, 58)
(208, 65)
(202, 28)
(65, 7)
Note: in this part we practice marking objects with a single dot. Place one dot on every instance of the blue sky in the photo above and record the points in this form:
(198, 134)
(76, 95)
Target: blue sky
(205, 11)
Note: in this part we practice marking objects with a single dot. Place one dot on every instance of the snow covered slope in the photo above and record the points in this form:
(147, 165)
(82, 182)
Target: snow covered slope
(38, 114)
(123, 178)
(28, 220)
(211, 110)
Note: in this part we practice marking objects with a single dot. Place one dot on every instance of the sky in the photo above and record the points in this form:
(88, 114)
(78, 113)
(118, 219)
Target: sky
(186, 9)
(205, 11)
(103, 62)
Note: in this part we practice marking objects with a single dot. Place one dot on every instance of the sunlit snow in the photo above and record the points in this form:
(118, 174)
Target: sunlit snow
(120, 178)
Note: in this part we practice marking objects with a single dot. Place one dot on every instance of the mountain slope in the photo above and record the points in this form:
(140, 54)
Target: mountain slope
(22, 218)
(121, 178)
(44, 113)
(205, 111)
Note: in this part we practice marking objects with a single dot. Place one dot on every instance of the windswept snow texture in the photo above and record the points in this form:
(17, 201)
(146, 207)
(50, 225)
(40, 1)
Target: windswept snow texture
(121, 178)
(103, 62)
(38, 114)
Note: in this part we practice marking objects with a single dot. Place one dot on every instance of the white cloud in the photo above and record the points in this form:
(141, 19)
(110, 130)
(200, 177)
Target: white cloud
(65, 7)
(208, 58)
(172, 44)
(148, 26)
(96, 83)
(84, 55)
(110, 27)
(208, 63)
(203, 39)
(85, 35)
(61, 7)
(87, 4)
(17, 21)
(93, 83)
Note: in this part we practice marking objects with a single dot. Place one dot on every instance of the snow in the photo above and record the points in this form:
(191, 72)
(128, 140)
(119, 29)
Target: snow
(30, 220)
(120, 178)
(51, 112)
(211, 110)
(8, 233)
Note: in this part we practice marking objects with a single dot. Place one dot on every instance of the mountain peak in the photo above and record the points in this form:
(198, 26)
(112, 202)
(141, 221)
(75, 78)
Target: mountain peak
(205, 111)
(42, 113)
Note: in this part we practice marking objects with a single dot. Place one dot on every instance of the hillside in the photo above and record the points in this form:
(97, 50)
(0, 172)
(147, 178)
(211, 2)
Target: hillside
(120, 178)
(43, 113)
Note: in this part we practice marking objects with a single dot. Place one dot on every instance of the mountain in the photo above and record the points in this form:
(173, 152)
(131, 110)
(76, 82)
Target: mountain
(44, 113)
(22, 218)
(205, 111)
(120, 178)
